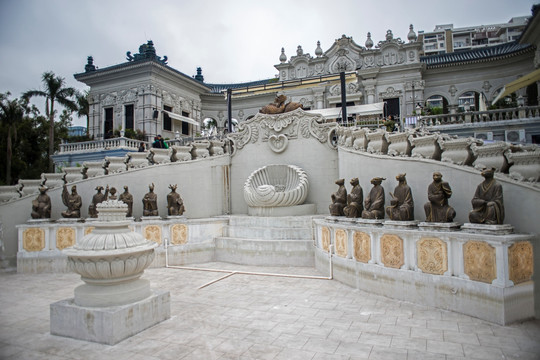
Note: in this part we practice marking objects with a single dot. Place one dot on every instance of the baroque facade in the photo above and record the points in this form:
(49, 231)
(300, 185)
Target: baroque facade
(145, 94)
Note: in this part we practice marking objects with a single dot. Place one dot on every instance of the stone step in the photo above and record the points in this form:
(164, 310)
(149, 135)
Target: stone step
(268, 233)
(276, 222)
(265, 252)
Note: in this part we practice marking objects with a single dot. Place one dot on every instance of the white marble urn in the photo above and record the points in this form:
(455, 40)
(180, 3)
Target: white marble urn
(111, 260)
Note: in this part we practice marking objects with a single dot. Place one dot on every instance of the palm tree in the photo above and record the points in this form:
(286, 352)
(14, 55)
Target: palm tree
(54, 92)
(11, 114)
(83, 107)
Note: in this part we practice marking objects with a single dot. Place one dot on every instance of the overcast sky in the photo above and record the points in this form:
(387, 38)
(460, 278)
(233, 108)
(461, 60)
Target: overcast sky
(232, 40)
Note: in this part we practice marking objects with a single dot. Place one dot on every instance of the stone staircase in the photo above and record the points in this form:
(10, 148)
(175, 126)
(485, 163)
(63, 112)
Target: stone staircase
(267, 241)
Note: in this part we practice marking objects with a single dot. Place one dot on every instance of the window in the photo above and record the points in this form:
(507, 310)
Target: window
(185, 125)
(167, 125)
(129, 116)
(108, 126)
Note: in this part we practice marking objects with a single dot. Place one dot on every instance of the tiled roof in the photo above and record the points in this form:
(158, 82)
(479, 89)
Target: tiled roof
(218, 88)
(476, 55)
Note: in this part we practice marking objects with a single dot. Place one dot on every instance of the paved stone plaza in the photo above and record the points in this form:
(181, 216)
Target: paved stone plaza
(260, 317)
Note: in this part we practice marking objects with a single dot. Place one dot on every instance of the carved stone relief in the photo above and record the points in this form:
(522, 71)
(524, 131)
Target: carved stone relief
(65, 237)
(392, 251)
(362, 246)
(88, 230)
(179, 234)
(34, 239)
(341, 243)
(432, 256)
(479, 261)
(325, 238)
(152, 233)
(520, 262)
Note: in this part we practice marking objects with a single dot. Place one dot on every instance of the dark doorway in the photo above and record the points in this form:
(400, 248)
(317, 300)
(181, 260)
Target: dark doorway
(532, 95)
(391, 107)
(167, 125)
(108, 126)
(185, 125)
(129, 117)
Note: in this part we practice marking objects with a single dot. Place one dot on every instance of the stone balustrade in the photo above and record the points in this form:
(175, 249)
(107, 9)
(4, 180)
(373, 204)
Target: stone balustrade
(137, 160)
(359, 139)
(115, 164)
(491, 156)
(458, 151)
(426, 146)
(160, 156)
(525, 165)
(182, 152)
(399, 144)
(483, 271)
(29, 186)
(216, 147)
(98, 145)
(200, 149)
(9, 192)
(481, 116)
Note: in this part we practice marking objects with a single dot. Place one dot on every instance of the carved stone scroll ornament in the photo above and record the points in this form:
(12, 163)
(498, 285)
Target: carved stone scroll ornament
(276, 186)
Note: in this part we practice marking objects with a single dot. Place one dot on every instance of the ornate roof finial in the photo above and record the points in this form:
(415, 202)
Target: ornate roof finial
(90, 65)
(199, 76)
(282, 57)
(369, 42)
(389, 35)
(299, 51)
(412, 35)
(146, 51)
(318, 50)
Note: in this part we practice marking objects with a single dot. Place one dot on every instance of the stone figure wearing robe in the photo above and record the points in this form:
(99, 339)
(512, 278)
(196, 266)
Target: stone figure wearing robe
(339, 199)
(73, 202)
(98, 198)
(150, 202)
(355, 200)
(488, 205)
(374, 203)
(175, 204)
(437, 209)
(127, 198)
(41, 206)
(402, 205)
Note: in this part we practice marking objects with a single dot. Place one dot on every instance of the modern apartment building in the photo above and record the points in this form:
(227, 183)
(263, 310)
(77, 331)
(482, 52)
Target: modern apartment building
(445, 38)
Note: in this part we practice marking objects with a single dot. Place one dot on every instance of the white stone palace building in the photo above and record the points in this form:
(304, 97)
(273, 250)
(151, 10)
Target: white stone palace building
(146, 94)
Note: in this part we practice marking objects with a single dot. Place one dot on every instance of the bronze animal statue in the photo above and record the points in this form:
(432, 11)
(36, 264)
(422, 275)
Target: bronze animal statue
(279, 106)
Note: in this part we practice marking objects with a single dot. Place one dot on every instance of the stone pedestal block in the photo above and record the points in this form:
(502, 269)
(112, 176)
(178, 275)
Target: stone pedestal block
(109, 325)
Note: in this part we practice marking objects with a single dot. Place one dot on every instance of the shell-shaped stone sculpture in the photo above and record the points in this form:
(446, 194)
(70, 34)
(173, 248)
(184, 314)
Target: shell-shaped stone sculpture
(276, 186)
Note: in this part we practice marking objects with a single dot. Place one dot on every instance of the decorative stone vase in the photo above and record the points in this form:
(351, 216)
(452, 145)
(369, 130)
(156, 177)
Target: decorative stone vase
(491, 156)
(160, 156)
(53, 180)
(200, 149)
(398, 144)
(458, 151)
(29, 187)
(526, 165)
(216, 147)
(73, 173)
(94, 168)
(377, 142)
(115, 164)
(348, 138)
(426, 147)
(137, 159)
(111, 260)
(181, 152)
(9, 192)
(359, 139)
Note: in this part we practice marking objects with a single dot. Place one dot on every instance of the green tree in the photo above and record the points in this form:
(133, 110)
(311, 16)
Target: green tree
(11, 115)
(55, 91)
(83, 107)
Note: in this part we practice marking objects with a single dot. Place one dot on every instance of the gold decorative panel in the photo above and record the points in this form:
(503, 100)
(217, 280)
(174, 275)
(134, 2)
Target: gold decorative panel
(152, 233)
(34, 239)
(392, 251)
(341, 243)
(325, 238)
(479, 261)
(432, 255)
(65, 237)
(179, 233)
(520, 262)
(362, 246)
(88, 230)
